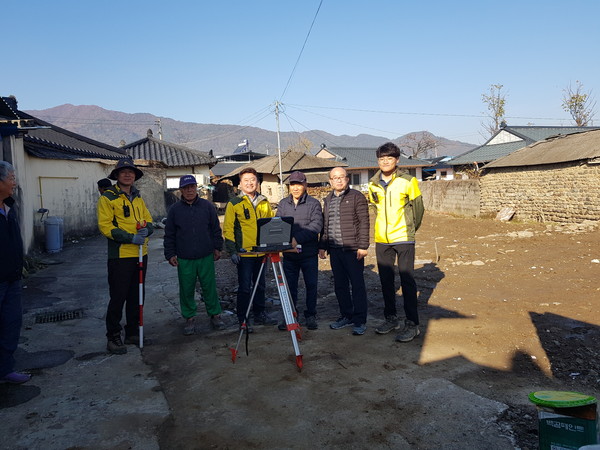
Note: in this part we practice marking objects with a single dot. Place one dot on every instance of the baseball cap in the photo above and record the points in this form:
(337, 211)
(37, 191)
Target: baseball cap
(297, 177)
(186, 180)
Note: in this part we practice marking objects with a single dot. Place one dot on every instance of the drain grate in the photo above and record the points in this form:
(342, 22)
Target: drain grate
(59, 316)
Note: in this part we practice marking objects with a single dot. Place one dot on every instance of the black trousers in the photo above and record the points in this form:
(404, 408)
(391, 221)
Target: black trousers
(123, 283)
(347, 270)
(386, 260)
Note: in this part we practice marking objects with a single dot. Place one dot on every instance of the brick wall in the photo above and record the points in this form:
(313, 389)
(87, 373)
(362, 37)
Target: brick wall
(452, 196)
(567, 192)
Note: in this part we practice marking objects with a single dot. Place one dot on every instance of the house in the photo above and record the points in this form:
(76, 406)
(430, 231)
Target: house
(57, 171)
(557, 180)
(240, 156)
(439, 170)
(505, 141)
(362, 163)
(316, 171)
(177, 159)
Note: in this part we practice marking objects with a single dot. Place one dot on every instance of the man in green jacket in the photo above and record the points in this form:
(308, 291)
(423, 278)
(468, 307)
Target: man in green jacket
(399, 204)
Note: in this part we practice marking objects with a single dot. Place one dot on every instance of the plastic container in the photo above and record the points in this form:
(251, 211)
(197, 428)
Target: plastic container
(566, 420)
(54, 234)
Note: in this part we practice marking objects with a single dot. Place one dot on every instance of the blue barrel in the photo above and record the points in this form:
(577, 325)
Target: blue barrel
(54, 234)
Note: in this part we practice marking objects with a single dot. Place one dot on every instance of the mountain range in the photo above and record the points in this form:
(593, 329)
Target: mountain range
(119, 128)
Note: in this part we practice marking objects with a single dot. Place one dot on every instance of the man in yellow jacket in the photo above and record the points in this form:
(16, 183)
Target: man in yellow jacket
(240, 231)
(399, 204)
(124, 219)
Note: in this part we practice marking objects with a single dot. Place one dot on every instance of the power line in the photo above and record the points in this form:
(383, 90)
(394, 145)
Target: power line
(302, 50)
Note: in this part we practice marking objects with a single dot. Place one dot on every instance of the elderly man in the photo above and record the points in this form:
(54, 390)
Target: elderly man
(126, 222)
(399, 204)
(346, 237)
(240, 231)
(308, 222)
(193, 243)
(11, 271)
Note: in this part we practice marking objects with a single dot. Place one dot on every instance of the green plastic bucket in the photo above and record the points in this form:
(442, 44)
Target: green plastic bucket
(566, 420)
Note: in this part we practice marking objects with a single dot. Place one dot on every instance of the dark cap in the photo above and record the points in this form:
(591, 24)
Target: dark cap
(104, 183)
(186, 180)
(125, 163)
(297, 177)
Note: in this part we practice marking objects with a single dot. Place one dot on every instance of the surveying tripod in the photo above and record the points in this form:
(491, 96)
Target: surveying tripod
(289, 311)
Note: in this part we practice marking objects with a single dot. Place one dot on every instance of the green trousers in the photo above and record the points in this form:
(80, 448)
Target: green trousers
(188, 271)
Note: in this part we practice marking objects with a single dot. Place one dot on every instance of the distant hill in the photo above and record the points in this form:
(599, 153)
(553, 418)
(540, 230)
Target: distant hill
(114, 127)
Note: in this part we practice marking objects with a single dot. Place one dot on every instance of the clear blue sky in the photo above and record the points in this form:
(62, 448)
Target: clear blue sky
(377, 67)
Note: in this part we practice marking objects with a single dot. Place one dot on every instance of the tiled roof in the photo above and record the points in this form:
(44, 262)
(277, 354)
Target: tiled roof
(52, 142)
(525, 135)
(564, 148)
(365, 157)
(8, 110)
(172, 155)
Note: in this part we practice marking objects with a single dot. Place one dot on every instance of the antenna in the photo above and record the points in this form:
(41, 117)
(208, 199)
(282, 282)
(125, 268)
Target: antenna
(159, 123)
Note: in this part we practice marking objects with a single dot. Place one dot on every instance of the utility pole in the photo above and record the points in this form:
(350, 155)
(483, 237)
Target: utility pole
(279, 148)
(159, 123)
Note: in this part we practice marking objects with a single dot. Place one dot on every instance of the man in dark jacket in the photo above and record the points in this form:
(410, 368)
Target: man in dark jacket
(11, 270)
(346, 237)
(308, 222)
(193, 242)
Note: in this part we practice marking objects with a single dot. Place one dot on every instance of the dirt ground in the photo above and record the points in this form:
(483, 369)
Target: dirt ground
(506, 309)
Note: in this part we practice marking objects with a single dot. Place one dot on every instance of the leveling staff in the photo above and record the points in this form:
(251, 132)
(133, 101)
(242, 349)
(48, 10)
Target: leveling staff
(240, 231)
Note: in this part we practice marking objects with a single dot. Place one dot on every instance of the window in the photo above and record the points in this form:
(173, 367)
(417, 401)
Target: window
(355, 178)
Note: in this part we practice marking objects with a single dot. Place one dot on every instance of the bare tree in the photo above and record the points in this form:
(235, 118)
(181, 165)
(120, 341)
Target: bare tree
(579, 104)
(495, 101)
(419, 145)
(303, 145)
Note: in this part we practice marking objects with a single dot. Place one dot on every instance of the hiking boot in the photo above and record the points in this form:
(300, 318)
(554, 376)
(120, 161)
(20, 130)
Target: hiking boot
(217, 323)
(409, 332)
(135, 340)
(264, 319)
(15, 378)
(342, 322)
(311, 323)
(390, 323)
(359, 330)
(115, 345)
(190, 327)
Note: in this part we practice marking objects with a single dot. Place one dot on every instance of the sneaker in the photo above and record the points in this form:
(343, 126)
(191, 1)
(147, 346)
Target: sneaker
(311, 323)
(217, 323)
(264, 319)
(359, 330)
(15, 378)
(115, 345)
(135, 340)
(390, 323)
(409, 332)
(342, 322)
(190, 327)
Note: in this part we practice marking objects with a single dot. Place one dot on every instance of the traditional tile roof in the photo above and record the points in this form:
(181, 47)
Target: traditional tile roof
(366, 158)
(510, 139)
(558, 149)
(172, 155)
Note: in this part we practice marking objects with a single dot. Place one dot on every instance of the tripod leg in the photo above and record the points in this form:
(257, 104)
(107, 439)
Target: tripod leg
(244, 325)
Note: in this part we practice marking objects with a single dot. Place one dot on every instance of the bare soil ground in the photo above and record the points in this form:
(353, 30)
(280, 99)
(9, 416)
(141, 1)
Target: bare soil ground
(506, 309)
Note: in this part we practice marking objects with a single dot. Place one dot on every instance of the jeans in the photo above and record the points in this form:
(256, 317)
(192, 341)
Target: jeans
(123, 285)
(349, 270)
(386, 259)
(11, 318)
(310, 271)
(248, 269)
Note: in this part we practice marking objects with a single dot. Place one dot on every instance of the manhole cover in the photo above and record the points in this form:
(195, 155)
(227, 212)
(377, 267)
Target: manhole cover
(59, 316)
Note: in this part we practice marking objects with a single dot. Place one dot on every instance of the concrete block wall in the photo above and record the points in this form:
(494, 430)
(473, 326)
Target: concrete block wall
(568, 192)
(461, 197)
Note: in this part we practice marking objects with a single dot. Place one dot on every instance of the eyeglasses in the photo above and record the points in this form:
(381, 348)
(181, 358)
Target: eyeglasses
(337, 178)
(386, 159)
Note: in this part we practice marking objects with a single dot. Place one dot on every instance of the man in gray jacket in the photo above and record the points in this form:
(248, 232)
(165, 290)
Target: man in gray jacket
(193, 242)
(308, 222)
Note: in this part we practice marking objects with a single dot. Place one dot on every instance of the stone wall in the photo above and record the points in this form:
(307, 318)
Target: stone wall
(567, 192)
(460, 197)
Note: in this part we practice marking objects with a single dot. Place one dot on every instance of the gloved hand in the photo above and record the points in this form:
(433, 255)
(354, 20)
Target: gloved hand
(138, 239)
(143, 232)
(235, 258)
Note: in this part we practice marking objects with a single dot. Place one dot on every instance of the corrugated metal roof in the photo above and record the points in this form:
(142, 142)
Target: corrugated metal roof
(172, 155)
(573, 147)
(290, 162)
(221, 168)
(365, 157)
(487, 153)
